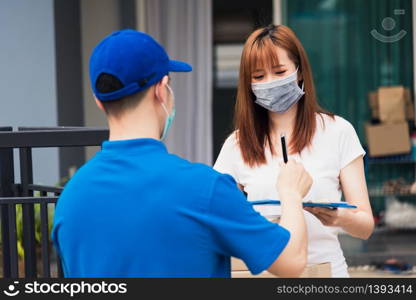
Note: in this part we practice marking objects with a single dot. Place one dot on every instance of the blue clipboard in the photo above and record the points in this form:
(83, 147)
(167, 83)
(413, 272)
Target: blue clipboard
(332, 205)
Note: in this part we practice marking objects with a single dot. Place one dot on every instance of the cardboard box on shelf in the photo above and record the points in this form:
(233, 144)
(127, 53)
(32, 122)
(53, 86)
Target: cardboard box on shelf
(391, 102)
(399, 93)
(410, 108)
(373, 103)
(388, 139)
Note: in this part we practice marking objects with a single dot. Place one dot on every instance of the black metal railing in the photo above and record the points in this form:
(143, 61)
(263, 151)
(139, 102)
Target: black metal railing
(27, 194)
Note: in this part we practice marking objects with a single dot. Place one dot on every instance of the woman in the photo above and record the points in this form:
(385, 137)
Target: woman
(276, 95)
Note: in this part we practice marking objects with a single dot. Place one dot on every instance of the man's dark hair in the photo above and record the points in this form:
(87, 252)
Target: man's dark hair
(107, 83)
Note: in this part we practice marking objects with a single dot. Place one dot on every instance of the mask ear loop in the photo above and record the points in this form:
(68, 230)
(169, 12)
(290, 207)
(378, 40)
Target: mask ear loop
(303, 81)
(173, 98)
(165, 109)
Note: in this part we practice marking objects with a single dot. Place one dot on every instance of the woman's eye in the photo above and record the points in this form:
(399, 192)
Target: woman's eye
(280, 72)
(258, 77)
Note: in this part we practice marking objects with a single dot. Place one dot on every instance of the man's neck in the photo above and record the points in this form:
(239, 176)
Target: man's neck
(134, 126)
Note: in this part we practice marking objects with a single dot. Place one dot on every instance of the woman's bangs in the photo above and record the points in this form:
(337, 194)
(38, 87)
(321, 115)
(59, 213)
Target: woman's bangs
(263, 55)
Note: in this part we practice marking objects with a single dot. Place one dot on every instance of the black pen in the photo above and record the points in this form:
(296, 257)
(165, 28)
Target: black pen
(284, 149)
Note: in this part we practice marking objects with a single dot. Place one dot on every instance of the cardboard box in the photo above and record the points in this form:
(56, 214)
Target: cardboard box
(410, 108)
(388, 139)
(373, 103)
(392, 104)
(240, 270)
(398, 94)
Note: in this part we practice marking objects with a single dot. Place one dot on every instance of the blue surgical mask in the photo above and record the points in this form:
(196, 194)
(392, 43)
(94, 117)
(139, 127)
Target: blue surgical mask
(278, 95)
(170, 117)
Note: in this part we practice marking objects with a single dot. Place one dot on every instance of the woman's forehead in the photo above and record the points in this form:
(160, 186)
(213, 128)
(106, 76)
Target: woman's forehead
(268, 56)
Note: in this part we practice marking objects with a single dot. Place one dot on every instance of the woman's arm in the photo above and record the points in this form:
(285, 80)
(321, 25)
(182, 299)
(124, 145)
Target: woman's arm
(358, 223)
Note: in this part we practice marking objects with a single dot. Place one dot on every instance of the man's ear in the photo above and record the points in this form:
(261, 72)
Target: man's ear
(99, 104)
(160, 88)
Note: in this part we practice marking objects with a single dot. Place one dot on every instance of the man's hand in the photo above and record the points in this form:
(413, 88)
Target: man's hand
(293, 179)
(293, 184)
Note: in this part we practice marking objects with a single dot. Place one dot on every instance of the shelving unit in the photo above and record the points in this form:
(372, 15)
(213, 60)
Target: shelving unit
(381, 169)
(380, 193)
(394, 159)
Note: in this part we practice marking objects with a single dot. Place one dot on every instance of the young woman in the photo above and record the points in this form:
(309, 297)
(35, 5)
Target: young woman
(276, 95)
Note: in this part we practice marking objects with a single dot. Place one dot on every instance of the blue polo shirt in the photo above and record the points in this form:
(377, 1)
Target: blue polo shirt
(134, 210)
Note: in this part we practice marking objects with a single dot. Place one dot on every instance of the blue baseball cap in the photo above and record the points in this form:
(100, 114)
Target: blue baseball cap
(135, 59)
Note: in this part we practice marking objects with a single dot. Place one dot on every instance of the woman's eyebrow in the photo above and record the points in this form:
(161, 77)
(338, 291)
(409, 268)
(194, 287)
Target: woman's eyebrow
(278, 66)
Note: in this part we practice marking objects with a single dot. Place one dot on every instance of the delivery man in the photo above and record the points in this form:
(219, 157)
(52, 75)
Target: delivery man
(135, 210)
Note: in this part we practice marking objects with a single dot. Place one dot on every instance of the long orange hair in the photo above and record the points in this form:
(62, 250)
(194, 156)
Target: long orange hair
(251, 121)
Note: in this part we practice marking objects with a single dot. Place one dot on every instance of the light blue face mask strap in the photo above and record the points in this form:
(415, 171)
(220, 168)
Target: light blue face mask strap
(170, 90)
(165, 109)
(173, 99)
(163, 135)
(170, 117)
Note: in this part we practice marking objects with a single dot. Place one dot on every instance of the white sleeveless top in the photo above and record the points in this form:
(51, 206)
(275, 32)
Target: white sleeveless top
(334, 146)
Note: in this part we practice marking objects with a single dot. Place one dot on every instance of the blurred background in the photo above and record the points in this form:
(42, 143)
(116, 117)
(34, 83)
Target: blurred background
(362, 56)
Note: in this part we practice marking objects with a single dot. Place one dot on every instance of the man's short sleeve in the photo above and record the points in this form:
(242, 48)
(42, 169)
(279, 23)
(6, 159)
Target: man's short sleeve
(239, 231)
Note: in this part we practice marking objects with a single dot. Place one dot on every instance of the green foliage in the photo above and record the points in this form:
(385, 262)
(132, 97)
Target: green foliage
(19, 225)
